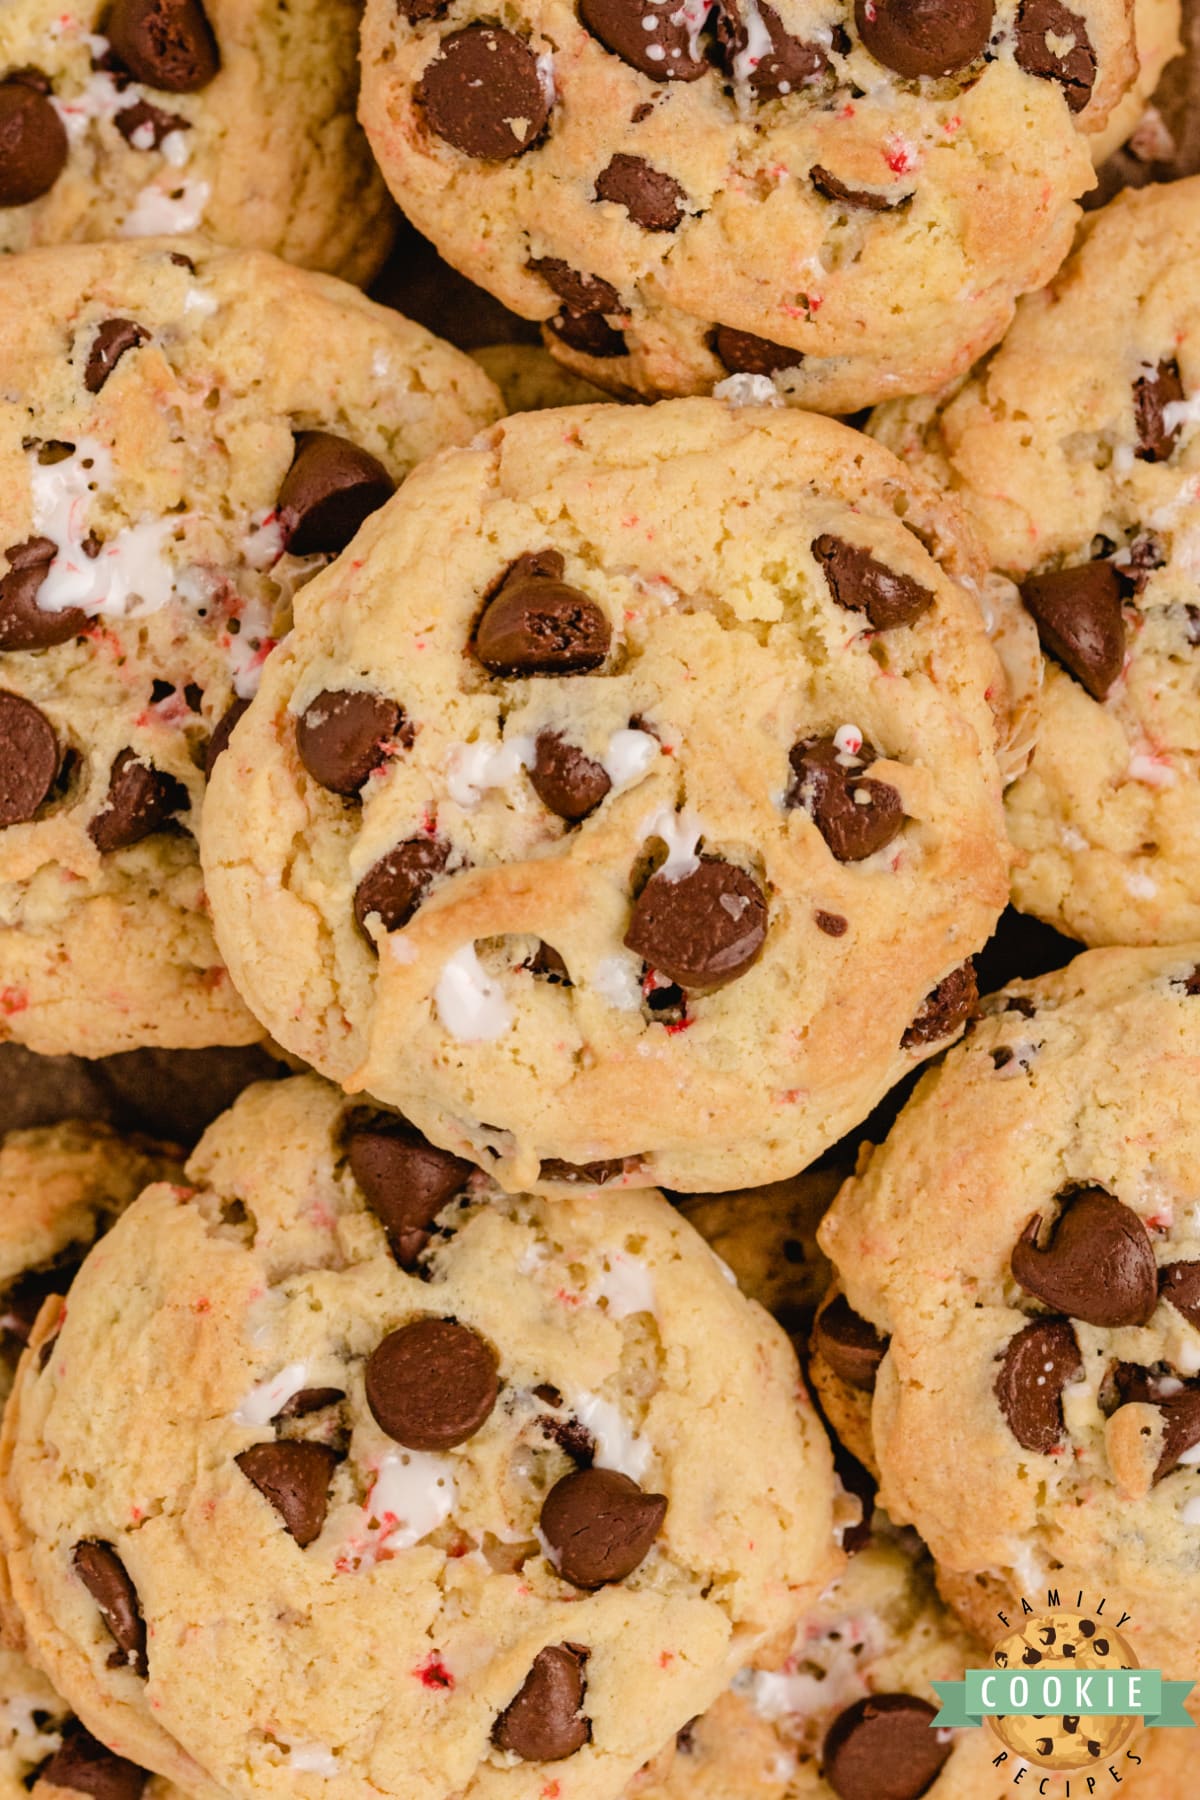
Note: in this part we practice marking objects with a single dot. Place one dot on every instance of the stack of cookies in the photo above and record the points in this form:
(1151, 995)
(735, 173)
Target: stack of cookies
(599, 897)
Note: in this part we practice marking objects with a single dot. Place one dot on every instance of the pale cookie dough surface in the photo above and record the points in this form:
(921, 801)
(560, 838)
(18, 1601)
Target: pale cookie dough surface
(384, 1652)
(1052, 1370)
(168, 464)
(1044, 446)
(768, 1237)
(262, 152)
(686, 536)
(870, 229)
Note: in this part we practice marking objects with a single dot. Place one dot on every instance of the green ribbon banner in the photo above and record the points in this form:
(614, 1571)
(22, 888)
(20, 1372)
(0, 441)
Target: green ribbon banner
(1042, 1693)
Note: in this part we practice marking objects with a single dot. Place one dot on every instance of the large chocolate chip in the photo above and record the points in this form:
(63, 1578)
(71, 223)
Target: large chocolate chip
(652, 36)
(406, 1180)
(431, 1384)
(582, 293)
(1152, 394)
(536, 624)
(653, 200)
(951, 1003)
(113, 338)
(484, 95)
(344, 734)
(24, 625)
(828, 184)
(884, 1748)
(545, 1722)
(861, 584)
(701, 929)
(218, 743)
(744, 354)
(849, 1343)
(33, 142)
(1181, 1429)
(789, 65)
(924, 37)
(1179, 1282)
(855, 816)
(1043, 28)
(331, 487)
(29, 758)
(144, 126)
(1037, 1364)
(395, 886)
(1079, 621)
(141, 800)
(566, 780)
(167, 44)
(1098, 1264)
(599, 1526)
(84, 1766)
(106, 1579)
(588, 332)
(294, 1475)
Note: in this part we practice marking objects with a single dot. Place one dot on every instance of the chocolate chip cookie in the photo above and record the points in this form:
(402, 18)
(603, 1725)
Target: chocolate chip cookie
(767, 1236)
(169, 475)
(1076, 452)
(646, 839)
(47, 1753)
(146, 118)
(501, 1481)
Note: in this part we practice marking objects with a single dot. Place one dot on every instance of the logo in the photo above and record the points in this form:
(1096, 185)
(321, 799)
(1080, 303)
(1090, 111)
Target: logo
(1064, 1693)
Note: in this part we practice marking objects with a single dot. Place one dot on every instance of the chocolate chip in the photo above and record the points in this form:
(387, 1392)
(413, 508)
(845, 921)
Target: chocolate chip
(582, 293)
(1037, 1364)
(924, 37)
(395, 886)
(828, 184)
(593, 1174)
(417, 11)
(536, 624)
(483, 93)
(331, 487)
(1146, 554)
(653, 200)
(832, 924)
(431, 1384)
(652, 36)
(1079, 621)
(30, 757)
(849, 1343)
(140, 801)
(952, 1002)
(566, 780)
(406, 1181)
(310, 1400)
(1179, 1282)
(106, 1579)
(24, 625)
(884, 1748)
(744, 354)
(344, 734)
(218, 743)
(1152, 394)
(33, 143)
(599, 1526)
(569, 1434)
(545, 1722)
(855, 816)
(1181, 1429)
(701, 929)
(84, 1766)
(588, 332)
(1039, 23)
(1097, 1265)
(152, 125)
(165, 43)
(861, 584)
(546, 962)
(113, 338)
(294, 1475)
(789, 65)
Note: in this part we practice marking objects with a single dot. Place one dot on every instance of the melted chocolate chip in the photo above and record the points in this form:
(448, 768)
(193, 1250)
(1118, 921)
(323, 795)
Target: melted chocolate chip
(849, 1343)
(1152, 394)
(547, 963)
(883, 1748)
(33, 142)
(536, 624)
(1079, 621)
(167, 44)
(566, 780)
(84, 1766)
(1098, 1264)
(855, 815)
(394, 887)
(588, 332)
(864, 199)
(582, 293)
(294, 1475)
(140, 801)
(310, 1400)
(599, 1526)
(406, 1181)
(652, 36)
(331, 487)
(701, 929)
(1037, 1364)
(744, 354)
(924, 37)
(653, 200)
(113, 339)
(483, 93)
(106, 1579)
(344, 734)
(569, 1434)
(24, 625)
(1179, 1282)
(1039, 24)
(545, 1721)
(417, 11)
(30, 757)
(861, 584)
(790, 64)
(151, 125)
(432, 1384)
(952, 1002)
(218, 743)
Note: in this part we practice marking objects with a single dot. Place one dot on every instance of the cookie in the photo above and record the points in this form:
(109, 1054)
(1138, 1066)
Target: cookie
(168, 478)
(1076, 452)
(603, 905)
(768, 1237)
(147, 118)
(1024, 1252)
(45, 1752)
(1157, 25)
(425, 1523)
(844, 199)
(530, 379)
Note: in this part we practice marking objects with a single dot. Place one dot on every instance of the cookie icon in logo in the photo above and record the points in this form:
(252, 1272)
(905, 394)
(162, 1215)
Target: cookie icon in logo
(1068, 1641)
